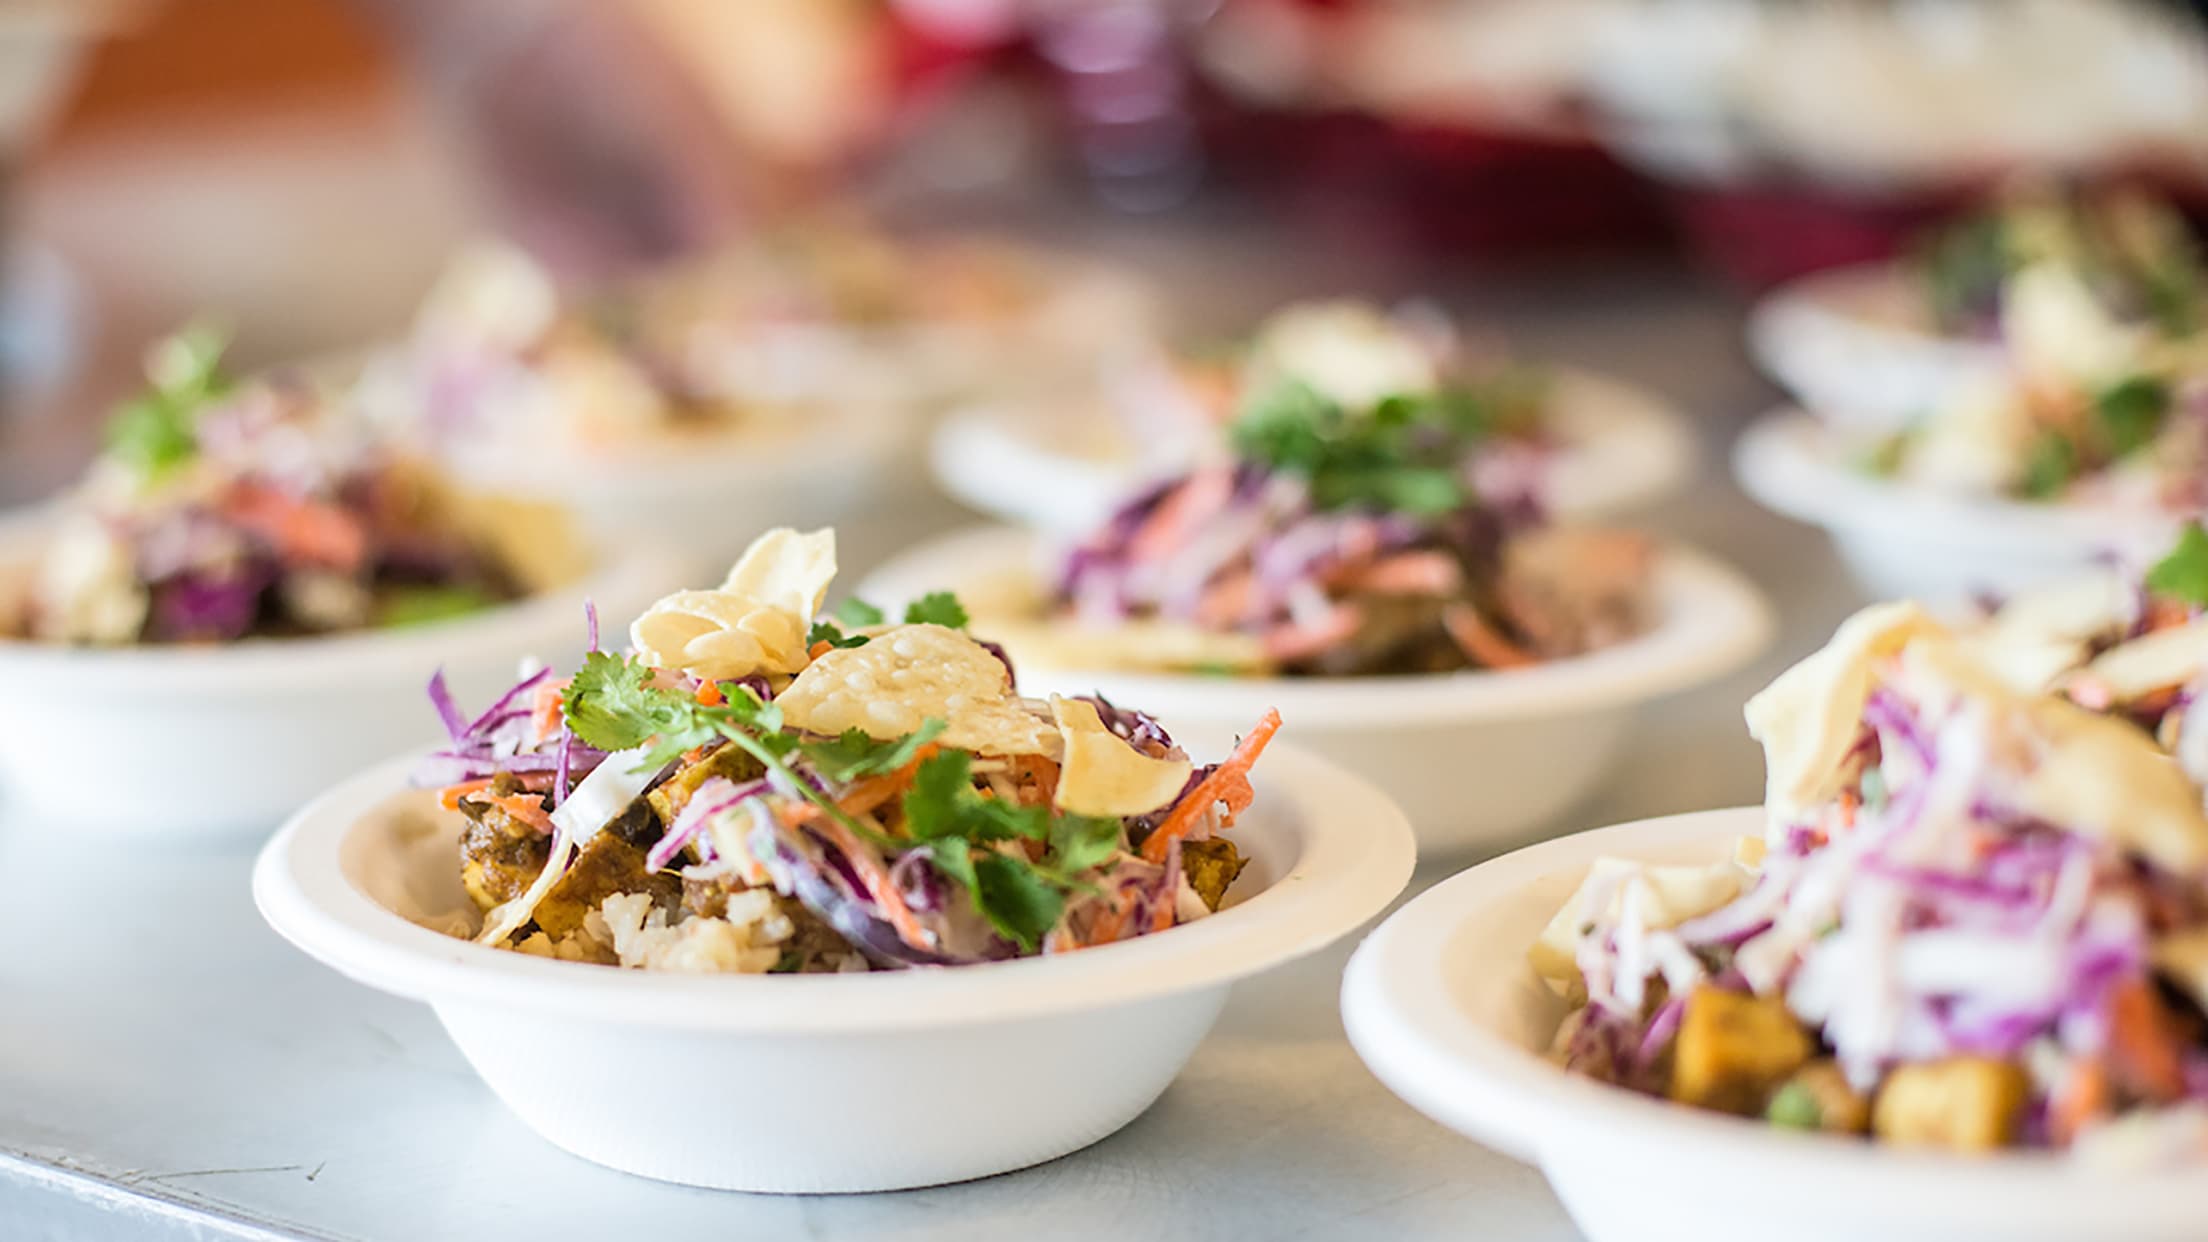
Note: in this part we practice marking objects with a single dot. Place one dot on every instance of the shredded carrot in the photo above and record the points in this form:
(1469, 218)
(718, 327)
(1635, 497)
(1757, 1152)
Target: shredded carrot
(545, 709)
(321, 534)
(1227, 600)
(1110, 926)
(2085, 1099)
(2163, 614)
(877, 881)
(1483, 643)
(709, 694)
(876, 790)
(1303, 640)
(1228, 783)
(2155, 702)
(2146, 1056)
(1187, 507)
(527, 809)
(1851, 802)
(1037, 776)
(449, 797)
(1408, 573)
(819, 649)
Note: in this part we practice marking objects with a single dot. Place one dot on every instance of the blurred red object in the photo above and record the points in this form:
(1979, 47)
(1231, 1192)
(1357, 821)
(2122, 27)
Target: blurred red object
(1758, 235)
(1469, 192)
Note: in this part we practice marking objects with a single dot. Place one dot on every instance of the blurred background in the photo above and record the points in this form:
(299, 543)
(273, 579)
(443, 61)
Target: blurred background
(304, 167)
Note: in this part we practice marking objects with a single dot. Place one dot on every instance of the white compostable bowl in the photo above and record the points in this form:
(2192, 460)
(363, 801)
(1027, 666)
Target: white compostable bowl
(1856, 344)
(1910, 542)
(1476, 759)
(826, 1083)
(205, 739)
(1442, 1005)
(1620, 449)
(705, 496)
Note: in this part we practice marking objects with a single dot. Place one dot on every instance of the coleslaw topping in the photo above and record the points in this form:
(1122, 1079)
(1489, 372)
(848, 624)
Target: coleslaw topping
(1977, 915)
(890, 801)
(225, 509)
(1371, 508)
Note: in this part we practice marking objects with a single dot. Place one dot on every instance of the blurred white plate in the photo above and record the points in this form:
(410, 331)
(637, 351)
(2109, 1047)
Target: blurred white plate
(1902, 541)
(1857, 346)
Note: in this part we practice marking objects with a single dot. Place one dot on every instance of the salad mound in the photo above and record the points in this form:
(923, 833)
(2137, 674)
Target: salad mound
(2135, 254)
(2103, 397)
(1376, 512)
(757, 789)
(755, 337)
(1978, 918)
(223, 510)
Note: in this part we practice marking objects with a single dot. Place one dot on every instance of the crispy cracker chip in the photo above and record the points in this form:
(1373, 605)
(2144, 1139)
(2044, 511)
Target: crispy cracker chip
(909, 674)
(1102, 774)
(755, 622)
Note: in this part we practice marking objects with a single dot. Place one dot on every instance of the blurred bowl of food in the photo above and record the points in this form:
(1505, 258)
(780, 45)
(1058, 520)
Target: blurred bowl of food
(670, 408)
(1577, 443)
(240, 596)
(1936, 986)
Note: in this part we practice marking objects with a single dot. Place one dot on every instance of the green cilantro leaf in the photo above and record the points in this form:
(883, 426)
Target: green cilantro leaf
(829, 632)
(954, 857)
(937, 608)
(1421, 492)
(2131, 412)
(858, 614)
(2050, 466)
(1079, 842)
(855, 756)
(1023, 900)
(610, 705)
(157, 429)
(762, 717)
(1406, 454)
(2183, 574)
(941, 790)
(1016, 899)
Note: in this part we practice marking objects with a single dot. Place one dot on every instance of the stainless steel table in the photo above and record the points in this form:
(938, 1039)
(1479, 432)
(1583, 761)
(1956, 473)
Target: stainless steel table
(170, 1069)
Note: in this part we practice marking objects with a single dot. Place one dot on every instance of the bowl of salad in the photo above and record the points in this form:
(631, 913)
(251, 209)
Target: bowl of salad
(227, 609)
(1946, 982)
(1877, 345)
(2093, 437)
(827, 874)
(1411, 609)
(1584, 444)
(665, 409)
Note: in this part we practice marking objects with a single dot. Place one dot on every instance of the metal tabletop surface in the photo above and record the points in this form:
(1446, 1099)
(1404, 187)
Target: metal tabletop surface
(170, 1069)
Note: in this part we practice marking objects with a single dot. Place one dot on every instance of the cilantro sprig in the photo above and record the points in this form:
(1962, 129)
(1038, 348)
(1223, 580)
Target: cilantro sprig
(2183, 574)
(936, 608)
(2131, 412)
(612, 704)
(1022, 898)
(157, 429)
(1405, 454)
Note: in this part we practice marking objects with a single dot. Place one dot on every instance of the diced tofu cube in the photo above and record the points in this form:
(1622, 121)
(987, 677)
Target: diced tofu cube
(1967, 1104)
(1734, 1050)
